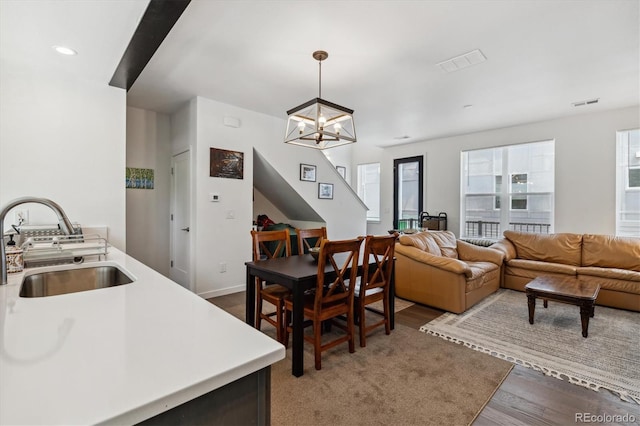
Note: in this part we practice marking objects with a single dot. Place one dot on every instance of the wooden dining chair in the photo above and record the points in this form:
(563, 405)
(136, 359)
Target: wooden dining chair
(271, 244)
(374, 284)
(307, 236)
(332, 297)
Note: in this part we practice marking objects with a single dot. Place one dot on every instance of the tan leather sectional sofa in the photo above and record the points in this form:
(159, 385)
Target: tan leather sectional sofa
(613, 262)
(436, 269)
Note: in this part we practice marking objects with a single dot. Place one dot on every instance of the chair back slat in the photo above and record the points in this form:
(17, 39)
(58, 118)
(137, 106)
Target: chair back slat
(381, 249)
(271, 243)
(305, 236)
(343, 257)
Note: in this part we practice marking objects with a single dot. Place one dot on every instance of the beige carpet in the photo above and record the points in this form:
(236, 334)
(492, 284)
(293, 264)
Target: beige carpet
(400, 379)
(499, 325)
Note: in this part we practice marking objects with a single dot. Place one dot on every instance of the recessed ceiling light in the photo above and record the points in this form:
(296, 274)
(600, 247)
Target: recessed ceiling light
(63, 50)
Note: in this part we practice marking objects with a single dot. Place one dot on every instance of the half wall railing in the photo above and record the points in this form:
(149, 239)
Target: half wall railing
(485, 229)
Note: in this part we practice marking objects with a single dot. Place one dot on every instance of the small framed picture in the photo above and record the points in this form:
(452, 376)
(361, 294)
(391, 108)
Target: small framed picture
(307, 172)
(342, 171)
(325, 191)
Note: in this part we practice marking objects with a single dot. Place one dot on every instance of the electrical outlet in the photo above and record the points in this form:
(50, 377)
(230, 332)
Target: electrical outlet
(223, 267)
(231, 214)
(22, 217)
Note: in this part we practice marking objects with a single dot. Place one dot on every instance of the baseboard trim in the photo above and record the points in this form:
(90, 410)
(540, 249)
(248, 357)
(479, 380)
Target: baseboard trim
(222, 291)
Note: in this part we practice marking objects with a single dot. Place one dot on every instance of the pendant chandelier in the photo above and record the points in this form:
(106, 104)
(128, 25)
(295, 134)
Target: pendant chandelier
(318, 123)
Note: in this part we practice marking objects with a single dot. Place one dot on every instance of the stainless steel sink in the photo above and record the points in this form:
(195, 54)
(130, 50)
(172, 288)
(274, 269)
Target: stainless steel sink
(72, 281)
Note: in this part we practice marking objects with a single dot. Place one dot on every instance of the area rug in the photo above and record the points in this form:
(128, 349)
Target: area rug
(399, 379)
(499, 325)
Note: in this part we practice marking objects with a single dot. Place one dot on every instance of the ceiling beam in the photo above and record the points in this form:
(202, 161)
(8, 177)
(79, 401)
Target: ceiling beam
(157, 21)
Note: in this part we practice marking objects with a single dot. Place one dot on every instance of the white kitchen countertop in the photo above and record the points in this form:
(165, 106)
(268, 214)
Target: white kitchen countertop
(118, 355)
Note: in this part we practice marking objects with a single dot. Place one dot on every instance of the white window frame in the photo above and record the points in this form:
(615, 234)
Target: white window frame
(364, 191)
(506, 192)
(627, 219)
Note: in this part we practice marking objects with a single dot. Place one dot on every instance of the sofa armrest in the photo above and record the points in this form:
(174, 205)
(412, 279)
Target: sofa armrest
(474, 253)
(440, 262)
(506, 247)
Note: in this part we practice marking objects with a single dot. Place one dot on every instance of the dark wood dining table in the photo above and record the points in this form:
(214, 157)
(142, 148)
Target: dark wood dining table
(297, 273)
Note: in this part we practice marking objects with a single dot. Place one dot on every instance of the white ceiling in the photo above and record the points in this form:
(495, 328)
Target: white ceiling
(99, 30)
(383, 56)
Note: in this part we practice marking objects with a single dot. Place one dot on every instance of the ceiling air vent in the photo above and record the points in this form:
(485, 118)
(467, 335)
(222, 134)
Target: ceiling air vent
(587, 102)
(463, 61)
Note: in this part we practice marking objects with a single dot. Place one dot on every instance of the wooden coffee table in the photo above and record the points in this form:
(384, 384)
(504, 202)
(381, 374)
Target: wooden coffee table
(566, 290)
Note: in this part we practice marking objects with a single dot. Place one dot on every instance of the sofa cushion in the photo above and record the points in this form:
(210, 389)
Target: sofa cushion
(439, 243)
(615, 273)
(481, 273)
(611, 252)
(446, 240)
(563, 248)
(471, 252)
(422, 241)
(543, 267)
(612, 283)
(436, 261)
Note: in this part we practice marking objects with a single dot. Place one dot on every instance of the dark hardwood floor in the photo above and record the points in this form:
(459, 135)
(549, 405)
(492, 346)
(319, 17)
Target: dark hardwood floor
(526, 397)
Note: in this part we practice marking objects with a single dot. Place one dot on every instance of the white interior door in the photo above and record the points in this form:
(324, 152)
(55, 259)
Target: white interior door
(180, 218)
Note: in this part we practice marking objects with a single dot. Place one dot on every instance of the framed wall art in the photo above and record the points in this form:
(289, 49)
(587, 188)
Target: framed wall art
(325, 191)
(308, 172)
(342, 171)
(226, 164)
(139, 178)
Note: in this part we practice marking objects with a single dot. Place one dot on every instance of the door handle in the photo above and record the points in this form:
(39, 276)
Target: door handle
(185, 229)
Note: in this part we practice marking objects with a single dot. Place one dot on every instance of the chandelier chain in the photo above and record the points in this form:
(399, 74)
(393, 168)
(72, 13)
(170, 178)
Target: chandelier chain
(320, 79)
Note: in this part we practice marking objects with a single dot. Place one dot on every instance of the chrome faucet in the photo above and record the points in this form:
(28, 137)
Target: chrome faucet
(65, 223)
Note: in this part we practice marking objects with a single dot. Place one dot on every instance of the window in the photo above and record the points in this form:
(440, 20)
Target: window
(528, 190)
(407, 192)
(518, 202)
(519, 186)
(628, 183)
(368, 183)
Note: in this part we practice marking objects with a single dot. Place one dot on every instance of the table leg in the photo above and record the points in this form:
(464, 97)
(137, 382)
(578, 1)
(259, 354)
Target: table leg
(297, 368)
(586, 309)
(250, 301)
(545, 303)
(392, 297)
(531, 301)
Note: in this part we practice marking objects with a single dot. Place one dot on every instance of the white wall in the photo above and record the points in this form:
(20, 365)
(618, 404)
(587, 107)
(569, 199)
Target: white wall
(584, 168)
(223, 240)
(147, 210)
(262, 205)
(341, 156)
(63, 138)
